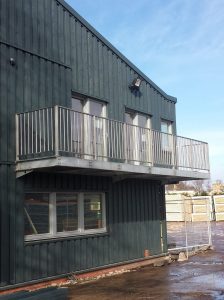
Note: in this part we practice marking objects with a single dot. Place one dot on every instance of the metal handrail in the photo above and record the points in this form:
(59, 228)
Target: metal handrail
(59, 130)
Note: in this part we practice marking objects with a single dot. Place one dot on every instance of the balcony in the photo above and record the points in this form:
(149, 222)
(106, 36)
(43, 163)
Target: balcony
(62, 140)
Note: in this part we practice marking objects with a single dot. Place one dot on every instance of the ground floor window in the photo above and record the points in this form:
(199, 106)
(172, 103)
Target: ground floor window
(62, 214)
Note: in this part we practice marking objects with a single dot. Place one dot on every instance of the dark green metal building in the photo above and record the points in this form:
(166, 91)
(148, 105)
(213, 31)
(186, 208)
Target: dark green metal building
(87, 142)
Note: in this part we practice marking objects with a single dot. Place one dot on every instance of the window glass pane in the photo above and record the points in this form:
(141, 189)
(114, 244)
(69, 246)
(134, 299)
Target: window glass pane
(128, 118)
(77, 105)
(96, 108)
(142, 121)
(36, 213)
(67, 212)
(93, 211)
(166, 127)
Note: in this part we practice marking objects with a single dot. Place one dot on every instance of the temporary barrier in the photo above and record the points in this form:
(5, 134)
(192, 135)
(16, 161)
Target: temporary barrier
(188, 222)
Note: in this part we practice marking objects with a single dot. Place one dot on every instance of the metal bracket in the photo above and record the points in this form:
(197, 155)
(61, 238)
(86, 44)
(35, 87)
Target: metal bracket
(22, 173)
(118, 178)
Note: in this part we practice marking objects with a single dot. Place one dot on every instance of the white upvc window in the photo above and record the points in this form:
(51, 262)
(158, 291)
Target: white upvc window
(138, 137)
(89, 128)
(52, 215)
(166, 135)
(166, 126)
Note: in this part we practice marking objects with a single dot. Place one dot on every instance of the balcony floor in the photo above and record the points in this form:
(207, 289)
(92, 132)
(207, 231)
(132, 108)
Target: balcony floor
(74, 165)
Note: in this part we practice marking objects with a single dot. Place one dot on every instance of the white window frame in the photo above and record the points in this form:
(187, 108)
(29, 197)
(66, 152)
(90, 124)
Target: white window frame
(53, 218)
(86, 109)
(167, 141)
(135, 119)
(91, 153)
(169, 126)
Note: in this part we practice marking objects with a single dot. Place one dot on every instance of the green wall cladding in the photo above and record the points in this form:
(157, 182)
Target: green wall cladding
(55, 53)
(134, 211)
(32, 83)
(49, 29)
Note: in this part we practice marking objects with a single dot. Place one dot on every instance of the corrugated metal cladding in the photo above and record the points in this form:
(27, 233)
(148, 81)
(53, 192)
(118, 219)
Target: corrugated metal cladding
(133, 223)
(32, 83)
(55, 54)
(46, 27)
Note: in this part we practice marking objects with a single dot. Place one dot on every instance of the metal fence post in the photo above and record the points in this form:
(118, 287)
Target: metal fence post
(185, 223)
(209, 221)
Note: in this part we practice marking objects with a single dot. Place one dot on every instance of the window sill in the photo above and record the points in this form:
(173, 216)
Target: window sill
(64, 236)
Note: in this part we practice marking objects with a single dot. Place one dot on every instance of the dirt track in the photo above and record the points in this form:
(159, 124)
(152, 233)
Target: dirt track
(201, 277)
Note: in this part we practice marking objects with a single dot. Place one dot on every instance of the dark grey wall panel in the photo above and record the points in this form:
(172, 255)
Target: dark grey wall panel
(56, 52)
(133, 223)
(31, 84)
(47, 28)
(11, 224)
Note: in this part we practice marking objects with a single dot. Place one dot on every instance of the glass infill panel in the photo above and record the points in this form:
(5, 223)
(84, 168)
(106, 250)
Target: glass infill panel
(67, 212)
(93, 217)
(36, 214)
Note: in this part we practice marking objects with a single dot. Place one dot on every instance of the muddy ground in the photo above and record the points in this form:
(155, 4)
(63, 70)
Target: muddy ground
(201, 277)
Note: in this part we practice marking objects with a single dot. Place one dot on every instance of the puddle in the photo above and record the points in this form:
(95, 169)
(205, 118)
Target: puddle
(215, 281)
(205, 263)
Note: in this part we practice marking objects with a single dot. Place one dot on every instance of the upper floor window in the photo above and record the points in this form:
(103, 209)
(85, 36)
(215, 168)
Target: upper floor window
(138, 119)
(89, 106)
(137, 145)
(88, 128)
(49, 215)
(166, 129)
(166, 126)
(77, 104)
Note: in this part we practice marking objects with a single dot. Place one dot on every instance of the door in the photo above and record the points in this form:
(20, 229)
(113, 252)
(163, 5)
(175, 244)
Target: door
(138, 137)
(77, 127)
(89, 128)
(95, 129)
(167, 154)
(144, 138)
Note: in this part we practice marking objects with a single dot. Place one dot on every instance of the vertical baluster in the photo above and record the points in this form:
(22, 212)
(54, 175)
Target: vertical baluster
(32, 135)
(48, 143)
(28, 133)
(67, 131)
(17, 137)
(52, 131)
(44, 130)
(57, 125)
(24, 132)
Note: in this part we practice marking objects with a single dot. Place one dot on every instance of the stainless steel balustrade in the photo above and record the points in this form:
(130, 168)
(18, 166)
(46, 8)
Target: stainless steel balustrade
(60, 131)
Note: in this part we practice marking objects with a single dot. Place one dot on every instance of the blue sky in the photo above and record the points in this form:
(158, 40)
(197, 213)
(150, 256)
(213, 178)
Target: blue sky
(179, 44)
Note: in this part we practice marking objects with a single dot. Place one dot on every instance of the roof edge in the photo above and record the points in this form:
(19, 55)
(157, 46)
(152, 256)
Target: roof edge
(115, 50)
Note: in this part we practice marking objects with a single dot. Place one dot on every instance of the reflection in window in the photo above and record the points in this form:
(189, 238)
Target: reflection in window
(77, 126)
(96, 108)
(92, 211)
(166, 126)
(77, 105)
(67, 212)
(62, 214)
(36, 213)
